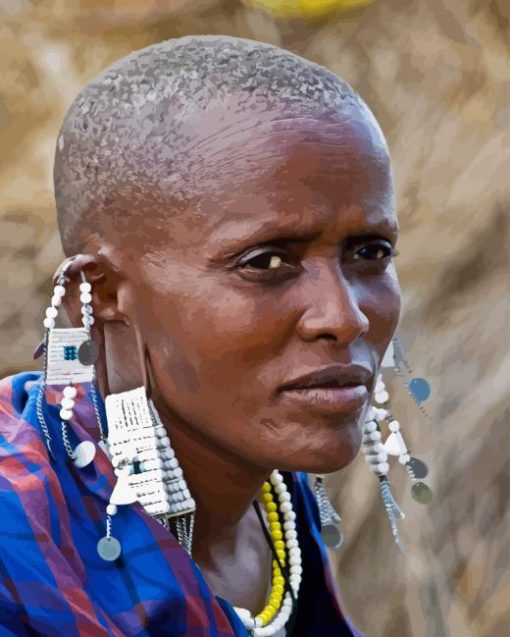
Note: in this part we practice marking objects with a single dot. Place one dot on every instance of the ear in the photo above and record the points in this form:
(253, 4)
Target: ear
(121, 363)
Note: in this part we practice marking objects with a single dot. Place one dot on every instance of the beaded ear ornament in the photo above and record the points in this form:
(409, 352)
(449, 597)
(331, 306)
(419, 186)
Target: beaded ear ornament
(137, 443)
(377, 452)
(69, 357)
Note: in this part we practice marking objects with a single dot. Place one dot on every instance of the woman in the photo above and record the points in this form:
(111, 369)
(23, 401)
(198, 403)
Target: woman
(228, 215)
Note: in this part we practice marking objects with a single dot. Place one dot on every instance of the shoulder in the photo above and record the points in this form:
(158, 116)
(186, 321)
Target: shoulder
(16, 392)
(19, 428)
(25, 468)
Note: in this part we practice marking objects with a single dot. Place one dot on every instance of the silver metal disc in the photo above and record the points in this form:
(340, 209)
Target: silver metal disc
(39, 350)
(419, 468)
(421, 492)
(88, 353)
(85, 452)
(109, 548)
(332, 536)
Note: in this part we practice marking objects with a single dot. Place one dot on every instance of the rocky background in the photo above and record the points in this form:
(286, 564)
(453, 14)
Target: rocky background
(436, 73)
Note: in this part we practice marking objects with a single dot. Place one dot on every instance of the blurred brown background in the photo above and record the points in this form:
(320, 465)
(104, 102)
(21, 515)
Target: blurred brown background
(437, 75)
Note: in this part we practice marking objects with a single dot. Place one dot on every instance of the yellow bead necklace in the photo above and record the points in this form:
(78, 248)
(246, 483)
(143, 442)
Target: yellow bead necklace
(278, 583)
(287, 554)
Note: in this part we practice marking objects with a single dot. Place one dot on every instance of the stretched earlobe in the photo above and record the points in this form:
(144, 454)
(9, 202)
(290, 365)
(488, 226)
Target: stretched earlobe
(123, 369)
(151, 383)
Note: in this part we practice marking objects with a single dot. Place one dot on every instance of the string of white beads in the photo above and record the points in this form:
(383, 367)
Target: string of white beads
(85, 451)
(376, 454)
(67, 402)
(373, 449)
(381, 396)
(86, 309)
(52, 311)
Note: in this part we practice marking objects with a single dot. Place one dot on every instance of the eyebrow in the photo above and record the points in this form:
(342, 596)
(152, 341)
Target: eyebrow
(268, 232)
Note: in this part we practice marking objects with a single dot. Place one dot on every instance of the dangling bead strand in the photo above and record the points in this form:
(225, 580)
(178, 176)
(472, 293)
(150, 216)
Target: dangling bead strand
(395, 445)
(418, 388)
(49, 323)
(329, 518)
(376, 457)
(84, 453)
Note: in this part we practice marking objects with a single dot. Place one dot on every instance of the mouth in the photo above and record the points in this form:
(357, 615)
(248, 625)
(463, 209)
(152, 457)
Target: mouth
(329, 400)
(332, 377)
(338, 389)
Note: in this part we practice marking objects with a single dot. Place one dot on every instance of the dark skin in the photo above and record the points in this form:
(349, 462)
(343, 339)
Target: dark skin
(315, 196)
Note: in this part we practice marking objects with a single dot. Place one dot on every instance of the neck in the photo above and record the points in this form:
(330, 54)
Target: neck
(223, 485)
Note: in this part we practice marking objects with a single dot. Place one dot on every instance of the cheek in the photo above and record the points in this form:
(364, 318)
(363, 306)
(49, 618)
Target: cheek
(217, 341)
(237, 327)
(382, 305)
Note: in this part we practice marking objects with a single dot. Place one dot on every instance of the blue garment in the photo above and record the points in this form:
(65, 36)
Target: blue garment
(52, 580)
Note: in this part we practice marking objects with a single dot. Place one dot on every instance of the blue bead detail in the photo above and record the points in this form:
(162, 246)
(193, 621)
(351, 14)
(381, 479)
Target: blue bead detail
(420, 389)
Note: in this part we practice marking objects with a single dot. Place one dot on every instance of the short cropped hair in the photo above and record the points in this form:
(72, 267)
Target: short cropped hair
(112, 135)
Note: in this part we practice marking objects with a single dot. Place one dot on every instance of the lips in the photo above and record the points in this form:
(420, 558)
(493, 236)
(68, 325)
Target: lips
(330, 377)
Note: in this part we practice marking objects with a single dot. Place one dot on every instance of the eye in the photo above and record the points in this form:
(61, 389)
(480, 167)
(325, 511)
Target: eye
(378, 252)
(264, 264)
(264, 261)
(374, 252)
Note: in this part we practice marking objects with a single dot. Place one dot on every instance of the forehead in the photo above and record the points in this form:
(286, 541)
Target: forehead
(263, 174)
(303, 171)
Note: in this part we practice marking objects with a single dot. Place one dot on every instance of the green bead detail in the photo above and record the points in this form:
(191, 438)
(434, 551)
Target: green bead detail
(70, 352)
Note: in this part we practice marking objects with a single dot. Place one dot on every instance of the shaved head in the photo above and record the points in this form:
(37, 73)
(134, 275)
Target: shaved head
(233, 209)
(133, 134)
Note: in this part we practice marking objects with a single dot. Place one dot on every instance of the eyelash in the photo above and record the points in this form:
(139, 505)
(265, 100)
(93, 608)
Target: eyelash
(244, 262)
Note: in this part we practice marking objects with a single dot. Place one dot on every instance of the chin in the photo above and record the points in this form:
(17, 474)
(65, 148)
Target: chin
(328, 455)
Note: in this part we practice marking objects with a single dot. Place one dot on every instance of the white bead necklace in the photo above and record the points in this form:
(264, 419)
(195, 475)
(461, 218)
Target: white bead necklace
(253, 624)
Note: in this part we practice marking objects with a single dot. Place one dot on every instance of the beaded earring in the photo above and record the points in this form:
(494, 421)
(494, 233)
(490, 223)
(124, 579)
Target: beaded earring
(69, 357)
(394, 444)
(146, 468)
(137, 443)
(377, 459)
(376, 451)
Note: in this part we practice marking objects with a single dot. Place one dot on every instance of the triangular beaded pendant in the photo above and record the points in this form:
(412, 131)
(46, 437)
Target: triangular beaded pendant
(123, 492)
(391, 445)
(146, 465)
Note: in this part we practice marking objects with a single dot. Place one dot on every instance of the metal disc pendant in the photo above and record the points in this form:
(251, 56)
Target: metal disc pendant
(420, 389)
(332, 536)
(418, 467)
(88, 353)
(39, 350)
(421, 492)
(109, 548)
(84, 453)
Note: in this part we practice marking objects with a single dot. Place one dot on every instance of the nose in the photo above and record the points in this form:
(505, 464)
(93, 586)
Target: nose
(333, 310)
